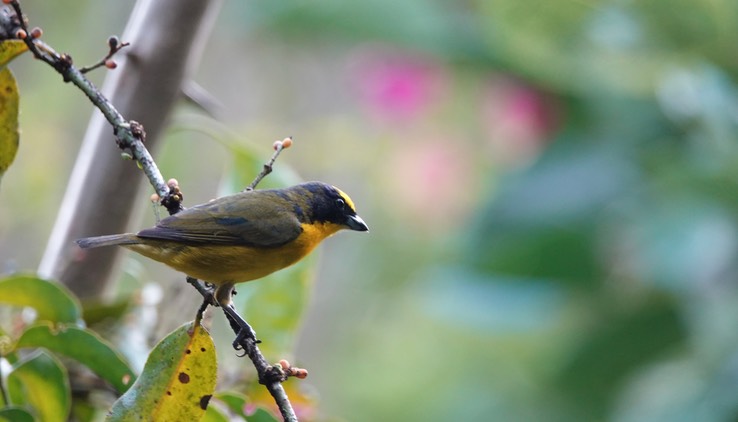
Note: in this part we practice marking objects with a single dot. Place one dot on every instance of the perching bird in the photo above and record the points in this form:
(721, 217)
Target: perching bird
(244, 236)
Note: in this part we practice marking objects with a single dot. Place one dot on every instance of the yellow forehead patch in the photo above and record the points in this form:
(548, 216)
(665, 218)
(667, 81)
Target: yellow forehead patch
(346, 198)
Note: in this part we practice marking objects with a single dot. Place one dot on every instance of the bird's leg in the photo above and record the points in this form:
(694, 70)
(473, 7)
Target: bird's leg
(238, 324)
(245, 332)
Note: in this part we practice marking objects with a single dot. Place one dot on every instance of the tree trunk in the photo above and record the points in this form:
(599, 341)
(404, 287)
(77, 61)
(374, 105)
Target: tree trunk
(167, 40)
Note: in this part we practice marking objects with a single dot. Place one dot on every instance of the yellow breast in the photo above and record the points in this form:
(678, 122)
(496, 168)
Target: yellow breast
(219, 264)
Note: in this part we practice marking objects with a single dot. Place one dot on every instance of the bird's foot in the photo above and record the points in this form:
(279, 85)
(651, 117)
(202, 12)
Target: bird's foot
(245, 332)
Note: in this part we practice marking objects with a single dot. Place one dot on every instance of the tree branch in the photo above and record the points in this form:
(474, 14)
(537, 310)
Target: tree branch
(271, 376)
(129, 134)
(130, 137)
(167, 39)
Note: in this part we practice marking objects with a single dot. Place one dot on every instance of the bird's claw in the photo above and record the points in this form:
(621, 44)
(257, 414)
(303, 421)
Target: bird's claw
(243, 334)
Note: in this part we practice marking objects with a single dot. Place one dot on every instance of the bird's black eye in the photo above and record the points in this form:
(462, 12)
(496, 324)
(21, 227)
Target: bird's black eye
(340, 203)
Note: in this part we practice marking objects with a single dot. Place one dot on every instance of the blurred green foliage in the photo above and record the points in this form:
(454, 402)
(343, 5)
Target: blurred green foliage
(38, 381)
(550, 187)
(601, 260)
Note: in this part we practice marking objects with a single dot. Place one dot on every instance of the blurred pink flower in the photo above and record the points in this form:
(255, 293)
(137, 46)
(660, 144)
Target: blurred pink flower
(431, 181)
(517, 119)
(397, 87)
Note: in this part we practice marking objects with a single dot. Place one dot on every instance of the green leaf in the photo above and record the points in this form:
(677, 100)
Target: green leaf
(9, 134)
(539, 227)
(15, 414)
(214, 415)
(236, 402)
(261, 415)
(85, 410)
(52, 301)
(616, 348)
(177, 382)
(10, 49)
(84, 346)
(95, 310)
(41, 382)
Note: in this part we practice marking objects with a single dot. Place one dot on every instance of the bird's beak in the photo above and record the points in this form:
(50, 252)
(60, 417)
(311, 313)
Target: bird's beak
(354, 222)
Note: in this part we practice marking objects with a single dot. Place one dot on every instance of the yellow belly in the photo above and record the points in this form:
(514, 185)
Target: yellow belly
(220, 264)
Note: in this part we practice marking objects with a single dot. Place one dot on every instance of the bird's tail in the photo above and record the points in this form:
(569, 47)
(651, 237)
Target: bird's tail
(110, 240)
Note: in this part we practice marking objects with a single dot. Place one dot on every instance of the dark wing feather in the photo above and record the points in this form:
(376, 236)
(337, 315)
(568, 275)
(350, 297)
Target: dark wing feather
(257, 218)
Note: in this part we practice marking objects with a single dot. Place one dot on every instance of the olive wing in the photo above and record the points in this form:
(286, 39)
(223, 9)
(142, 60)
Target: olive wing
(249, 219)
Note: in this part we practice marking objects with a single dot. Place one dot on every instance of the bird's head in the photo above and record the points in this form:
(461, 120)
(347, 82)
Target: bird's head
(328, 204)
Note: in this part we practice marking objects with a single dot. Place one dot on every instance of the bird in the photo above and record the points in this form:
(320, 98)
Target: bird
(242, 237)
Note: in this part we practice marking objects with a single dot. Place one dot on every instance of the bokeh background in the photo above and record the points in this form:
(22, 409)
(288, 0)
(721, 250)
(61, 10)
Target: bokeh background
(551, 188)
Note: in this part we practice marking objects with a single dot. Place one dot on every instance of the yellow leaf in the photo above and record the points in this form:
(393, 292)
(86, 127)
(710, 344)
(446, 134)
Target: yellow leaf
(9, 135)
(10, 49)
(177, 381)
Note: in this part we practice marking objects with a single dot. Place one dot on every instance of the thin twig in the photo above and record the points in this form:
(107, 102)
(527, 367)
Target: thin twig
(129, 134)
(25, 36)
(271, 376)
(115, 46)
(278, 147)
